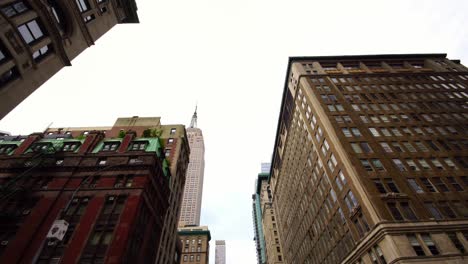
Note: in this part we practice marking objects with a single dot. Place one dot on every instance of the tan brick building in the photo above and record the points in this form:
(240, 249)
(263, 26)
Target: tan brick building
(370, 160)
(38, 38)
(195, 244)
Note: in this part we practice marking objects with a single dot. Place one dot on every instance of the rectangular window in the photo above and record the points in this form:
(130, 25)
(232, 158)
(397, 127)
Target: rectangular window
(399, 164)
(440, 185)
(14, 9)
(414, 184)
(394, 211)
(374, 132)
(355, 132)
(392, 185)
(379, 185)
(386, 147)
(456, 242)
(83, 5)
(110, 146)
(416, 246)
(428, 184)
(430, 244)
(455, 184)
(30, 31)
(366, 164)
(41, 53)
(407, 211)
(435, 213)
(377, 165)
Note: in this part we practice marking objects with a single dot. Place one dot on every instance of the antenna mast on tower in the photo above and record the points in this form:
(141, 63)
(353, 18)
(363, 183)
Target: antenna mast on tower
(193, 123)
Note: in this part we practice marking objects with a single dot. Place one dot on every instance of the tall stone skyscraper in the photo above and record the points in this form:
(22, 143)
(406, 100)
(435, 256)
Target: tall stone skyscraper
(192, 199)
(220, 252)
(370, 160)
(38, 38)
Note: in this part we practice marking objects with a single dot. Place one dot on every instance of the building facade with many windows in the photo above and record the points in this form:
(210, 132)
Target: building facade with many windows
(111, 187)
(193, 190)
(267, 242)
(370, 160)
(195, 242)
(38, 38)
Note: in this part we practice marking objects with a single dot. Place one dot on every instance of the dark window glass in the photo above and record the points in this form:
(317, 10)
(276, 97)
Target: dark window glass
(416, 246)
(14, 9)
(394, 211)
(456, 242)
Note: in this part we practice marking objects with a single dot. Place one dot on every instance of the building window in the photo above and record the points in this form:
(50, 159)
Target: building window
(167, 152)
(416, 245)
(41, 53)
(89, 18)
(428, 184)
(110, 146)
(435, 213)
(83, 5)
(430, 244)
(41, 147)
(14, 9)
(3, 53)
(456, 242)
(7, 149)
(138, 146)
(407, 211)
(124, 181)
(70, 146)
(173, 131)
(452, 182)
(102, 161)
(30, 31)
(170, 140)
(394, 211)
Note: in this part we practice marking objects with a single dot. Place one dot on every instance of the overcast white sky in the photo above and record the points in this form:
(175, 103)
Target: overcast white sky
(231, 58)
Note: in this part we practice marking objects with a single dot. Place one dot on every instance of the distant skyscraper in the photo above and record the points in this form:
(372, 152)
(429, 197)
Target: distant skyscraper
(195, 241)
(38, 38)
(370, 161)
(266, 167)
(267, 242)
(191, 203)
(220, 252)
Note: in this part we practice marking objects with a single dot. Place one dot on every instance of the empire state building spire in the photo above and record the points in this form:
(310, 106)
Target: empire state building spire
(193, 123)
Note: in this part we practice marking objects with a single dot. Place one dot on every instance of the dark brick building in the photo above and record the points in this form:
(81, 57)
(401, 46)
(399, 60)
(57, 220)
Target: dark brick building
(114, 186)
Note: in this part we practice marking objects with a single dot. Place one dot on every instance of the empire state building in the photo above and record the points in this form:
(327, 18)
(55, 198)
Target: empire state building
(191, 203)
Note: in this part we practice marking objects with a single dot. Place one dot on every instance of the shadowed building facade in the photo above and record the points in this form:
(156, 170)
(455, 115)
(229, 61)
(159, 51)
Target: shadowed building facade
(38, 38)
(370, 160)
(114, 186)
(267, 242)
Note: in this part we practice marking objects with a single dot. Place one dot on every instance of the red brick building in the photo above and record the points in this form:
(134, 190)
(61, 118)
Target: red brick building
(112, 185)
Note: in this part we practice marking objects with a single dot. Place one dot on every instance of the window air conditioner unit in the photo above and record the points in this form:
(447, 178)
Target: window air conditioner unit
(4, 242)
(58, 230)
(118, 185)
(111, 198)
